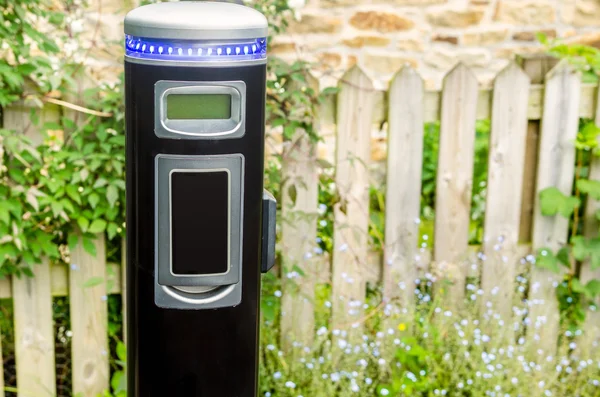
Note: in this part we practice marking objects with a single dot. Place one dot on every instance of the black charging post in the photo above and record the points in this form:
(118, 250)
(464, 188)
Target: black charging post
(199, 227)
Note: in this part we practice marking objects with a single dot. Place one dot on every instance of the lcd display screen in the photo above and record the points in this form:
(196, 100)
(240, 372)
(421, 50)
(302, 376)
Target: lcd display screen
(200, 222)
(198, 106)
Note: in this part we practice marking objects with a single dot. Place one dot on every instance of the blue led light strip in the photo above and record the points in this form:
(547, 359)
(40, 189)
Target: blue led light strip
(188, 50)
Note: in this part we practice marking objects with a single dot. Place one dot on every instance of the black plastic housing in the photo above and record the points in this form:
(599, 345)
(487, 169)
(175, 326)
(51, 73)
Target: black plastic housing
(190, 353)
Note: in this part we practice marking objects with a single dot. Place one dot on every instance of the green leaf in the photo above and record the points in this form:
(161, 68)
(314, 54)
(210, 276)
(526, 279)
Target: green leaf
(547, 260)
(97, 226)
(100, 182)
(587, 248)
(92, 282)
(73, 193)
(72, 241)
(4, 213)
(563, 256)
(56, 208)
(592, 288)
(94, 199)
(577, 286)
(112, 195)
(553, 201)
(83, 174)
(89, 246)
(580, 251)
(121, 351)
(111, 229)
(590, 187)
(83, 223)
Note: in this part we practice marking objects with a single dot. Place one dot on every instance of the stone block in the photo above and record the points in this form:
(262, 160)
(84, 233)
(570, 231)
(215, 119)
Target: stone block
(485, 37)
(444, 59)
(386, 64)
(443, 38)
(310, 23)
(513, 51)
(410, 44)
(366, 41)
(531, 35)
(525, 12)
(590, 39)
(459, 18)
(380, 21)
(282, 48)
(581, 13)
(328, 61)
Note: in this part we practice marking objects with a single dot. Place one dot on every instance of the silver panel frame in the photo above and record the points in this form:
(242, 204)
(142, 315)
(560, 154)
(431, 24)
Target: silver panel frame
(234, 127)
(165, 165)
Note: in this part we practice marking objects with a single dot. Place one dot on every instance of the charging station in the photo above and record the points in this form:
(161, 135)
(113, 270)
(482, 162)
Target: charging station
(199, 227)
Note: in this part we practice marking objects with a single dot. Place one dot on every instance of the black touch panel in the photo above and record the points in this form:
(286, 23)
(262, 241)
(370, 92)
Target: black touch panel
(199, 222)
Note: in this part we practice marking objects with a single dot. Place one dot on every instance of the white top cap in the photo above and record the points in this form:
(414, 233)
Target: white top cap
(196, 20)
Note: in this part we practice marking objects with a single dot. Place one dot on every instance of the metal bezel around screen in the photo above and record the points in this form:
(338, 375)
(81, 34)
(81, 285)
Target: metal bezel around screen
(165, 165)
(234, 127)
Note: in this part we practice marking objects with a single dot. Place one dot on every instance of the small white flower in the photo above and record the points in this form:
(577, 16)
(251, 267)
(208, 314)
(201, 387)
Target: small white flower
(290, 384)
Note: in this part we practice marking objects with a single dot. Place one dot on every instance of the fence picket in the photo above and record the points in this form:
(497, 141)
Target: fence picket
(89, 320)
(34, 333)
(300, 196)
(356, 101)
(403, 197)
(560, 124)
(591, 338)
(455, 178)
(504, 188)
(298, 239)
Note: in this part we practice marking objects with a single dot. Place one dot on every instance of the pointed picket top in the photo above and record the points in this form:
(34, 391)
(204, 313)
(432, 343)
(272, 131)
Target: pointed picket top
(355, 77)
(460, 71)
(511, 73)
(406, 71)
(561, 69)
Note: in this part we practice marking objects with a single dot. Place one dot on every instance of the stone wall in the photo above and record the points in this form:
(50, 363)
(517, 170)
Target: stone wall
(383, 35)
(431, 35)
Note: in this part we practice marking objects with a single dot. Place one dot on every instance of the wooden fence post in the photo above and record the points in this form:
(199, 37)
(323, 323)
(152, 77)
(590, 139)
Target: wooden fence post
(356, 101)
(591, 329)
(504, 188)
(403, 196)
(89, 320)
(299, 200)
(34, 333)
(560, 124)
(455, 179)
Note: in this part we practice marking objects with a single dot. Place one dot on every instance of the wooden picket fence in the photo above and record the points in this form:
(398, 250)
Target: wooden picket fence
(534, 108)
